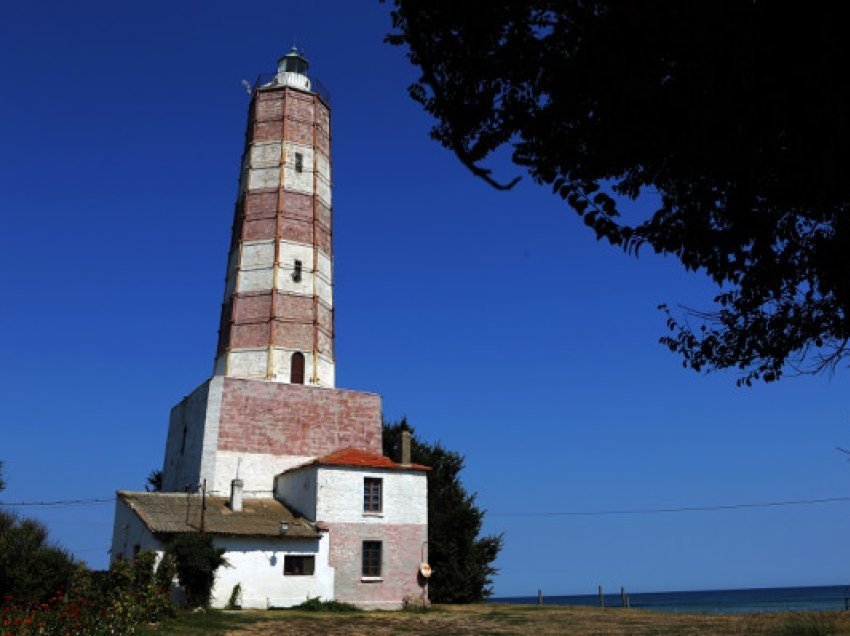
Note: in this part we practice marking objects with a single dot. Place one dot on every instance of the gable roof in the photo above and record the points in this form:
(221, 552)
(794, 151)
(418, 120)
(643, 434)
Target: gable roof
(174, 513)
(354, 457)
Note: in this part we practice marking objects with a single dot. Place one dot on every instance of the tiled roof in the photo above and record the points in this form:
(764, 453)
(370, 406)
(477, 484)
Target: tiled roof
(360, 458)
(170, 513)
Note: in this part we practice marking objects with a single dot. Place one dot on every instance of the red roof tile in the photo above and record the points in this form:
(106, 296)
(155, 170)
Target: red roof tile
(356, 457)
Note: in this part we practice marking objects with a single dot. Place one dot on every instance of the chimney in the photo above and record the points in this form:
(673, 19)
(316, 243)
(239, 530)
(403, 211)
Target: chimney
(405, 448)
(236, 495)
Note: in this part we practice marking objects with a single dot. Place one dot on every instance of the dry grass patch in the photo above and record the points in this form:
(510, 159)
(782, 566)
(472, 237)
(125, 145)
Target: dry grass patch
(513, 619)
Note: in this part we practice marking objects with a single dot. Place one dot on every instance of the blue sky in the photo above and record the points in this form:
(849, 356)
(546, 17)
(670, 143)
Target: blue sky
(494, 321)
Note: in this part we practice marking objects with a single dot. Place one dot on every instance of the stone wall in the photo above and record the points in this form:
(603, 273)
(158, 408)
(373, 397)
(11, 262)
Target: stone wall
(401, 553)
(289, 419)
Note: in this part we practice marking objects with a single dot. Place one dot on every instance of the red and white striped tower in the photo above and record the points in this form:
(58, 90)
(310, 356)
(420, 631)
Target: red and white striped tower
(277, 316)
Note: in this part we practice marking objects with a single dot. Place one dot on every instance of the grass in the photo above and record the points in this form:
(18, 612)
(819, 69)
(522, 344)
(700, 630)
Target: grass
(209, 622)
(498, 619)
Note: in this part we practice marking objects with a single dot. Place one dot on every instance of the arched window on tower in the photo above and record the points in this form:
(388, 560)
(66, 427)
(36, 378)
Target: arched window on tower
(296, 372)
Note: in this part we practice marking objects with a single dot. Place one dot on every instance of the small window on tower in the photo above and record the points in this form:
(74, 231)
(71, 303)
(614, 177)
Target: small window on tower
(299, 162)
(372, 494)
(296, 371)
(296, 272)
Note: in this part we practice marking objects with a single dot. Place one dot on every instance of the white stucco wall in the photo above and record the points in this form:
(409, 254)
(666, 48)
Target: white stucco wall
(292, 179)
(297, 490)
(327, 371)
(256, 270)
(257, 565)
(323, 191)
(265, 154)
(323, 167)
(253, 363)
(335, 494)
(256, 470)
(199, 414)
(128, 531)
(340, 496)
(248, 363)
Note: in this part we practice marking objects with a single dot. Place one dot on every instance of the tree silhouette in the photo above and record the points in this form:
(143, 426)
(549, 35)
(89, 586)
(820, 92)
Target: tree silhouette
(733, 117)
(460, 558)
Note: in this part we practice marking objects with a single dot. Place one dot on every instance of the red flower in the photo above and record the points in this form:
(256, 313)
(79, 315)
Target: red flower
(7, 597)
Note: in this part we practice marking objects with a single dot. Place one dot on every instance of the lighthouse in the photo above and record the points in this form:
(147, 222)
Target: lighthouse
(285, 470)
(277, 316)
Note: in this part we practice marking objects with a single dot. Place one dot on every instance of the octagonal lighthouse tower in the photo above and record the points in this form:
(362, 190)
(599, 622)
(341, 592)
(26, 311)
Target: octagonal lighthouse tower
(271, 403)
(277, 316)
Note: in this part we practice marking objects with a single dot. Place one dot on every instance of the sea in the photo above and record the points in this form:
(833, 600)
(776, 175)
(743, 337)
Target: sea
(769, 599)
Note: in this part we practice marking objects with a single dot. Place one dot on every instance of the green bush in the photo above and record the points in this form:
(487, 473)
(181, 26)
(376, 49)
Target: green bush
(196, 559)
(96, 603)
(31, 569)
(318, 605)
(233, 602)
(165, 573)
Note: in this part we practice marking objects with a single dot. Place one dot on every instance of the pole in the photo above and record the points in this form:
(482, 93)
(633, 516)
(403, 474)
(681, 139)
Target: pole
(622, 596)
(203, 503)
(539, 597)
(601, 597)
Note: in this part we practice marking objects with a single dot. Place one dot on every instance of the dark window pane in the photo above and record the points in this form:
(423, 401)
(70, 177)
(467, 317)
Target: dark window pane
(372, 494)
(298, 565)
(296, 374)
(371, 558)
(299, 162)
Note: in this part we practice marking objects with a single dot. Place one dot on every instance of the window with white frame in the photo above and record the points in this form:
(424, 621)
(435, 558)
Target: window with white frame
(373, 494)
(372, 558)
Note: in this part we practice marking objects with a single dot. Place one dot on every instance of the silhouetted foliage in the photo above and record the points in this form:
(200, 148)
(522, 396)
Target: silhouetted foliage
(461, 561)
(30, 568)
(734, 117)
(154, 481)
(196, 560)
(2, 483)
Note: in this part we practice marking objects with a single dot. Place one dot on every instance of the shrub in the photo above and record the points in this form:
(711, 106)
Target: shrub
(30, 568)
(165, 573)
(196, 559)
(234, 601)
(318, 605)
(96, 603)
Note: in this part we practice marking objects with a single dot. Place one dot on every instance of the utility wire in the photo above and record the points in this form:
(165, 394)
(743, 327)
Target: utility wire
(59, 502)
(652, 511)
(567, 513)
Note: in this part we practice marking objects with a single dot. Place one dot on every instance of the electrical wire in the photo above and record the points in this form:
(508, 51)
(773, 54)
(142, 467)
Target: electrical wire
(565, 513)
(652, 511)
(59, 502)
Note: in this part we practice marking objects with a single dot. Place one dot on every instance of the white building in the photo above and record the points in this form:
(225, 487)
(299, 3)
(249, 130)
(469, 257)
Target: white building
(297, 490)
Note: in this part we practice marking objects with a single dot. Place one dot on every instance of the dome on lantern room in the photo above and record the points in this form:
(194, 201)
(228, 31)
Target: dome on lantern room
(292, 70)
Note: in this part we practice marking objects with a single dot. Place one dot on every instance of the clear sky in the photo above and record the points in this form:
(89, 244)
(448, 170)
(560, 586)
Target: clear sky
(494, 321)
